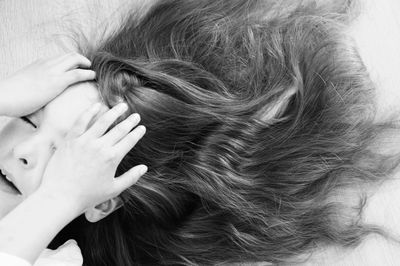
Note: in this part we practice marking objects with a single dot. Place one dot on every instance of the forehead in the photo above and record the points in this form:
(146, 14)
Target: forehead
(61, 113)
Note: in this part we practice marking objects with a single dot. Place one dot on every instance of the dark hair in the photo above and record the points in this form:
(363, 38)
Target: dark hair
(258, 114)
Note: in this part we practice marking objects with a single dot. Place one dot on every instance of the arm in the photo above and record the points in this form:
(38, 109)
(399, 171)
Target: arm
(35, 85)
(31, 226)
(79, 175)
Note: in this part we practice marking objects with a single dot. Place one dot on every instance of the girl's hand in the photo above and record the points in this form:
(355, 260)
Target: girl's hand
(81, 172)
(34, 86)
(79, 175)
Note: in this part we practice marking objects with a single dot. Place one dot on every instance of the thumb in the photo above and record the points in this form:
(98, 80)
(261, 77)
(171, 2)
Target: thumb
(129, 178)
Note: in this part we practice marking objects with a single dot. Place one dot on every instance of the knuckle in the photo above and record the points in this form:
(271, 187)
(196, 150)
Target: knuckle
(115, 112)
(89, 145)
(104, 120)
(136, 134)
(123, 128)
(107, 154)
(80, 58)
(74, 75)
(74, 132)
(81, 142)
(80, 122)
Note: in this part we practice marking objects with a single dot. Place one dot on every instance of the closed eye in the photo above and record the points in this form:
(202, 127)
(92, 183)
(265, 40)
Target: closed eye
(28, 121)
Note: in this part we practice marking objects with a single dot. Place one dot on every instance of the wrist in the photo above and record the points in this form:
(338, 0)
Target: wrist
(31, 226)
(67, 206)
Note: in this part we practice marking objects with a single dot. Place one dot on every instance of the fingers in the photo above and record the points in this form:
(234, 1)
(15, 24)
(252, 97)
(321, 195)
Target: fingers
(106, 120)
(78, 75)
(82, 123)
(129, 178)
(128, 142)
(121, 130)
(72, 61)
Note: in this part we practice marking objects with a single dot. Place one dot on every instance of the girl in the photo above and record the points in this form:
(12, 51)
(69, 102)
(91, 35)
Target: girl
(81, 171)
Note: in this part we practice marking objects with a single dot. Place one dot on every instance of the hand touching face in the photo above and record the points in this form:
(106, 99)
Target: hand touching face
(35, 85)
(27, 144)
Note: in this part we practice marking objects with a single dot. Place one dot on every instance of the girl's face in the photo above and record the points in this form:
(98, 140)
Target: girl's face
(27, 144)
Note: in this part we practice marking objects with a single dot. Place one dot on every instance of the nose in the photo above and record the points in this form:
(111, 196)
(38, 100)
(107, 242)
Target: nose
(24, 152)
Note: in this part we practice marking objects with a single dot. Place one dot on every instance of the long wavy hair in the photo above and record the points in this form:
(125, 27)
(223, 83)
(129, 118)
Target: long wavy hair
(259, 114)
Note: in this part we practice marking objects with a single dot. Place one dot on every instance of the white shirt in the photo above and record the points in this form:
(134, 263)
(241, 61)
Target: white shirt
(68, 254)
(10, 260)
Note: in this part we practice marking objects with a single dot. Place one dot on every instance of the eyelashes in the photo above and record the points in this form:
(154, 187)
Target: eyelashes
(28, 121)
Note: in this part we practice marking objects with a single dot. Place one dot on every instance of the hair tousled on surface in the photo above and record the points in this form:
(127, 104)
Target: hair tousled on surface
(258, 114)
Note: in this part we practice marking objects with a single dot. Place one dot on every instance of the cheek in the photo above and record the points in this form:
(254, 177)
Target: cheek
(11, 134)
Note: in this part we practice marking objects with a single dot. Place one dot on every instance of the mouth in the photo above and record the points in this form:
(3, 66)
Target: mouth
(7, 181)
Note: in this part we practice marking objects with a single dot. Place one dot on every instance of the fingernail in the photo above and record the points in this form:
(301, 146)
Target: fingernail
(143, 169)
(122, 106)
(142, 128)
(134, 117)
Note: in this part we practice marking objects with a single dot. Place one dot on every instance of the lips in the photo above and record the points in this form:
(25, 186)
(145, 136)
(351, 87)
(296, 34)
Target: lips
(7, 181)
(6, 174)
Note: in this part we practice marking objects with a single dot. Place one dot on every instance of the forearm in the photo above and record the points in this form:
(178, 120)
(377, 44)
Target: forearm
(29, 228)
